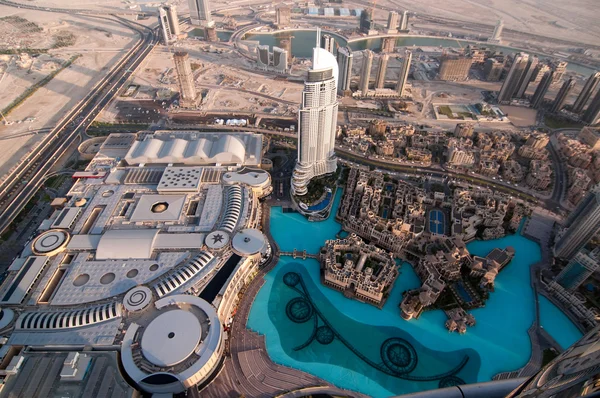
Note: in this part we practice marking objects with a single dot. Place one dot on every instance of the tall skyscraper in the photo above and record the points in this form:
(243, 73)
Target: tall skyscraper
(381, 70)
(526, 76)
(365, 72)
(403, 75)
(344, 59)
(592, 114)
(586, 92)
(497, 34)
(560, 67)
(392, 24)
(169, 23)
(404, 21)
(263, 56)
(200, 13)
(185, 78)
(540, 92)
(317, 122)
(367, 25)
(511, 83)
(539, 72)
(283, 17)
(328, 43)
(280, 60)
(493, 70)
(581, 267)
(581, 226)
(561, 97)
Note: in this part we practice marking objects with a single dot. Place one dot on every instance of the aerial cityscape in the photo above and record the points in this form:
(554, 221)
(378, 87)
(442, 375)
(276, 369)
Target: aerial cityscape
(299, 199)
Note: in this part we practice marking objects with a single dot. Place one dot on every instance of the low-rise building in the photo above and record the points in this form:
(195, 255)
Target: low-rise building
(579, 182)
(512, 171)
(355, 267)
(540, 175)
(418, 155)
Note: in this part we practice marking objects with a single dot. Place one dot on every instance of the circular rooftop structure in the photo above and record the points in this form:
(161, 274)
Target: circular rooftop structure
(216, 240)
(171, 338)
(249, 241)
(137, 298)
(50, 242)
(174, 348)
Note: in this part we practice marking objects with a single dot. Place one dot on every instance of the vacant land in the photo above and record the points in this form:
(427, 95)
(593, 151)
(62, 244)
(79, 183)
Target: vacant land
(36, 44)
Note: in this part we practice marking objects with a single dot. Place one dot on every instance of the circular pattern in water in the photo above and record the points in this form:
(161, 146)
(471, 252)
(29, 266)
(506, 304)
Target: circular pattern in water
(299, 310)
(325, 335)
(291, 279)
(398, 355)
(451, 381)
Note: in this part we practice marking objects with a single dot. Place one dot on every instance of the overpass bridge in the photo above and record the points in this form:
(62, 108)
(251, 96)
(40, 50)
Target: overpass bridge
(299, 254)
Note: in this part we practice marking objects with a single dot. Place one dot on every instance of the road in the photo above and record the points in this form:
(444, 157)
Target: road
(24, 181)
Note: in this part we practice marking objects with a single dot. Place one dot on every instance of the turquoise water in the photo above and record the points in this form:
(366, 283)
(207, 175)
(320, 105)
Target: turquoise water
(497, 343)
(557, 324)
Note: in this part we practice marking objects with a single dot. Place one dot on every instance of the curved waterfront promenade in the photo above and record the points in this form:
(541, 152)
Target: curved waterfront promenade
(248, 370)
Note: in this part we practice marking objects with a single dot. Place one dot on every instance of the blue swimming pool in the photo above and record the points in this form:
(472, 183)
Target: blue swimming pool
(322, 204)
(436, 222)
(460, 287)
(316, 329)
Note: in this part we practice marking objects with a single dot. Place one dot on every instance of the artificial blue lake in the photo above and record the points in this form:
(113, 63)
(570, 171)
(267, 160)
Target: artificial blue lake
(359, 347)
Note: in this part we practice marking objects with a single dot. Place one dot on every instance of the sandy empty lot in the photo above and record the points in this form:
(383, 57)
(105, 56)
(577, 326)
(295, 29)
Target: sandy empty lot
(98, 43)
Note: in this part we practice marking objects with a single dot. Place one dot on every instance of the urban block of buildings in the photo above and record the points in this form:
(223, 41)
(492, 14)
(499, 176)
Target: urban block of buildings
(360, 270)
(429, 229)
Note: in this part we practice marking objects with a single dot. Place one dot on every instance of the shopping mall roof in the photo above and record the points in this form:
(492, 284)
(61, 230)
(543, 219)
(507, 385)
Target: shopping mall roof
(126, 243)
(197, 149)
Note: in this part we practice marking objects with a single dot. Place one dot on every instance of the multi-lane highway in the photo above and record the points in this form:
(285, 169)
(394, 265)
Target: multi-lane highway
(25, 180)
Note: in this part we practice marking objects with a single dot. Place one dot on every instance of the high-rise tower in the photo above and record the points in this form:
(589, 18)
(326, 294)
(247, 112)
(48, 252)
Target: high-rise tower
(540, 92)
(392, 24)
(200, 13)
(586, 92)
(367, 25)
(328, 43)
(185, 78)
(403, 75)
(280, 60)
(344, 59)
(561, 97)
(169, 23)
(404, 21)
(283, 17)
(511, 83)
(592, 114)
(365, 72)
(497, 35)
(583, 223)
(526, 76)
(263, 58)
(381, 70)
(317, 122)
